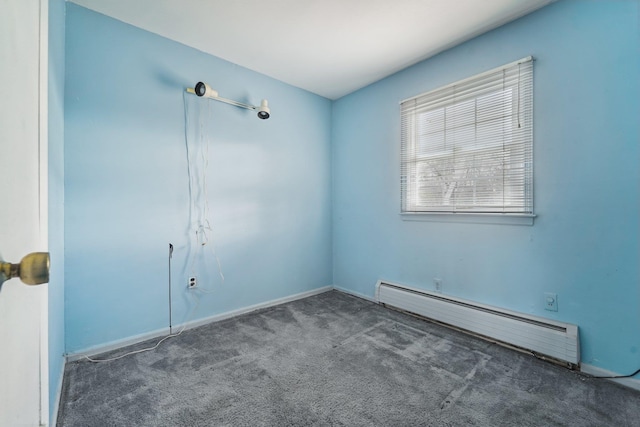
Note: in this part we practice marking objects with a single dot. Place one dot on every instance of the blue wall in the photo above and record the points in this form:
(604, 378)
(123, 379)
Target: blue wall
(127, 187)
(584, 243)
(279, 213)
(56, 198)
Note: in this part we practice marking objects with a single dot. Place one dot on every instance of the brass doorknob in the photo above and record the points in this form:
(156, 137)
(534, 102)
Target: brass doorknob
(32, 270)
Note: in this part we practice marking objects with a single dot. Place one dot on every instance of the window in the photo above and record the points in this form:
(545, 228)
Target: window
(467, 147)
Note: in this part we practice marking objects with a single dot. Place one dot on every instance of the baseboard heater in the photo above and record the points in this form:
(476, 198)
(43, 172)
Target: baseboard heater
(544, 337)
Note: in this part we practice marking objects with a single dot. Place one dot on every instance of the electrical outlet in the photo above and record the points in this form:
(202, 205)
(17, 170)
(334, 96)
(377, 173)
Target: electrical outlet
(192, 282)
(550, 301)
(438, 283)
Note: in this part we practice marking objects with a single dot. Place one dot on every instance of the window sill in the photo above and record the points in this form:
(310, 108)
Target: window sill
(473, 218)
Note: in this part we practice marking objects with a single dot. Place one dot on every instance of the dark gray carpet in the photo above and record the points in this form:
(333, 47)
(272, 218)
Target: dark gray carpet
(335, 360)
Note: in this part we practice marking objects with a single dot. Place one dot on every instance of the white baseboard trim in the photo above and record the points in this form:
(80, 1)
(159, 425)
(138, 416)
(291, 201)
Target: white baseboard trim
(229, 314)
(114, 345)
(56, 403)
(355, 294)
(599, 372)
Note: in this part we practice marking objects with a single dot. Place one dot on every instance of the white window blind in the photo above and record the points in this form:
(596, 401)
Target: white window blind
(467, 147)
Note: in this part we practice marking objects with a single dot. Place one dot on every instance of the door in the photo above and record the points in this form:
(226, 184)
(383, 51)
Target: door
(23, 209)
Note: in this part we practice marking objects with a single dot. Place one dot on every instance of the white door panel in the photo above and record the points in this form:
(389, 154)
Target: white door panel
(23, 209)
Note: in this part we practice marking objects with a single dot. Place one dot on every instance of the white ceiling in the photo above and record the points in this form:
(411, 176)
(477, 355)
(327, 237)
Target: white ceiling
(329, 47)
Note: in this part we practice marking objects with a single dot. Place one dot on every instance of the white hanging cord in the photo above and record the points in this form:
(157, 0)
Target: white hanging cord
(203, 229)
(184, 326)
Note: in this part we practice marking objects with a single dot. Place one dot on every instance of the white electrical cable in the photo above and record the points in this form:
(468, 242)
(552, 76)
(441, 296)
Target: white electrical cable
(202, 223)
(184, 326)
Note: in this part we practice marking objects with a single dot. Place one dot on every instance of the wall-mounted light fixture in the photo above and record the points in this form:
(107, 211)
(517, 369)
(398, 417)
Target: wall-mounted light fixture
(205, 91)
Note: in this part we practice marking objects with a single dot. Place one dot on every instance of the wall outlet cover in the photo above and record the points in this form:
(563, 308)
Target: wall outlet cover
(550, 301)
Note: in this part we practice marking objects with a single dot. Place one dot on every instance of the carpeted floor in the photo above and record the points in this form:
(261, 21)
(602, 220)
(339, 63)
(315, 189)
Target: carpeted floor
(335, 360)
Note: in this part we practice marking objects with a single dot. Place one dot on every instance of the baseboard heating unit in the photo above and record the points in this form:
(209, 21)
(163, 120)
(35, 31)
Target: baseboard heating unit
(555, 340)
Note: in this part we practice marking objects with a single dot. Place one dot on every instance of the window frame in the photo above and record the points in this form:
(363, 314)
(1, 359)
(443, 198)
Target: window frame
(519, 139)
